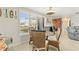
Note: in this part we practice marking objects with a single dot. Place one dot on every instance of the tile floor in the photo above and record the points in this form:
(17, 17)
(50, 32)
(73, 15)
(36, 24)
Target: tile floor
(66, 44)
(26, 47)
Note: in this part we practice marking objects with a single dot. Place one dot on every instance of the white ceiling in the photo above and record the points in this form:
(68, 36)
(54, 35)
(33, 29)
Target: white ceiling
(60, 11)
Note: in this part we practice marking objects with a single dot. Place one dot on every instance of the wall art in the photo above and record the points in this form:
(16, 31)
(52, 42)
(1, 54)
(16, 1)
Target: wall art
(11, 13)
(6, 13)
(0, 12)
(15, 15)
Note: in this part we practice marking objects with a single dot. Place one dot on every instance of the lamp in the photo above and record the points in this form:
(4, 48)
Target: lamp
(50, 11)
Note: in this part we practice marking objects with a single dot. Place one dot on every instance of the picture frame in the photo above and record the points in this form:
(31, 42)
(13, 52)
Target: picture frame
(15, 14)
(0, 12)
(11, 13)
(6, 13)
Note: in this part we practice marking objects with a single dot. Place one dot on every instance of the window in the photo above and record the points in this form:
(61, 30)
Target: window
(24, 18)
(24, 21)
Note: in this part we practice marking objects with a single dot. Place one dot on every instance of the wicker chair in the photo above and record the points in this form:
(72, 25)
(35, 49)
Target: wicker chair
(30, 33)
(55, 43)
(39, 41)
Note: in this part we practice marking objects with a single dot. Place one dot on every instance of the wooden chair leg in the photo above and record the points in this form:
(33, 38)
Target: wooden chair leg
(33, 48)
(29, 42)
(58, 48)
(47, 48)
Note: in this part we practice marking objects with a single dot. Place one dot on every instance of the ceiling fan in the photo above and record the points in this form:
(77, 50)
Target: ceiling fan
(50, 11)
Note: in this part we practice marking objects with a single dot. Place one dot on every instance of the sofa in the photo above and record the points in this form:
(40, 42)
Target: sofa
(73, 32)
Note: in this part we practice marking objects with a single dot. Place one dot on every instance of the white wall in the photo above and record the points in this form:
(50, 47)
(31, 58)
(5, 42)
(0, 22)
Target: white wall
(65, 23)
(75, 20)
(9, 26)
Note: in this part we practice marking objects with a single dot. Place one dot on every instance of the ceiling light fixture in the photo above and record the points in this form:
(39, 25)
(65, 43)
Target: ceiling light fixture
(50, 11)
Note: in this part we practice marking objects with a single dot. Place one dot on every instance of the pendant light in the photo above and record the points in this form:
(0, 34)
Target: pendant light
(50, 11)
